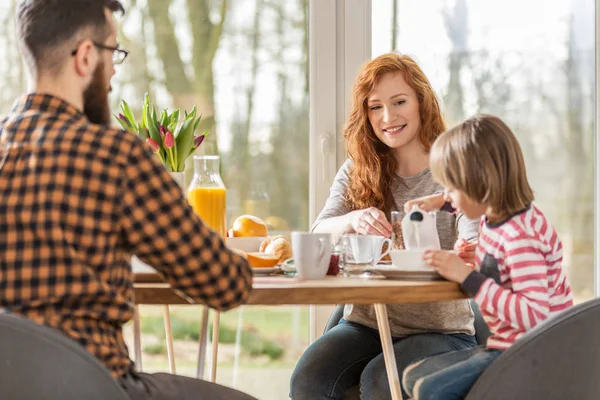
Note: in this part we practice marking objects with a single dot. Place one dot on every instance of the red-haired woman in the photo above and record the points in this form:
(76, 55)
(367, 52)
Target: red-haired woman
(394, 119)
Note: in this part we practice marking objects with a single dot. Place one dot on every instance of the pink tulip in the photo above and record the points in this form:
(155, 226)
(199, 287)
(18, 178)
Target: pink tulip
(122, 118)
(198, 140)
(169, 141)
(163, 131)
(151, 143)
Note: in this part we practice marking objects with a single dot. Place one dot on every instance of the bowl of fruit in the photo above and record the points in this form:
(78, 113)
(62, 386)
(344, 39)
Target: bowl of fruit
(247, 234)
(249, 237)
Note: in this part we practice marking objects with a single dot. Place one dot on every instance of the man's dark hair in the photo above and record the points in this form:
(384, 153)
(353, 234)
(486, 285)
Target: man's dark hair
(43, 26)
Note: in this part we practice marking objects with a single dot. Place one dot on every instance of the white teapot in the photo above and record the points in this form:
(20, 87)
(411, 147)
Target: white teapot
(419, 230)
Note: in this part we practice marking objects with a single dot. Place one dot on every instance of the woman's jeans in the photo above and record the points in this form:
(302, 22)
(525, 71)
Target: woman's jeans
(351, 353)
(447, 376)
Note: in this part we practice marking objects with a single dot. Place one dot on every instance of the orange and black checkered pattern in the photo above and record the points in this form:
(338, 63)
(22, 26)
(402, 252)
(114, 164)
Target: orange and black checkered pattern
(76, 201)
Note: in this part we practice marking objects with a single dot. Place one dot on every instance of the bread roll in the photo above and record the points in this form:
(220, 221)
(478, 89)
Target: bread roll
(267, 241)
(278, 246)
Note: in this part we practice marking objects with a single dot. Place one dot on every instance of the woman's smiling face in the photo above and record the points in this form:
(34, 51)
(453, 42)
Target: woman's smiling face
(393, 110)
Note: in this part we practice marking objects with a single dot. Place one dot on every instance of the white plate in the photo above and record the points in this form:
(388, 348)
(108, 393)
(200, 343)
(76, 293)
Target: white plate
(265, 271)
(409, 274)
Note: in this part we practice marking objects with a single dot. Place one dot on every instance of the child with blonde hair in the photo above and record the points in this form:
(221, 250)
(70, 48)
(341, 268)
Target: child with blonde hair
(518, 280)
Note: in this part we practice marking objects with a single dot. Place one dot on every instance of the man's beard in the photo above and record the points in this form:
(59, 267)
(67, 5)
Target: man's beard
(95, 98)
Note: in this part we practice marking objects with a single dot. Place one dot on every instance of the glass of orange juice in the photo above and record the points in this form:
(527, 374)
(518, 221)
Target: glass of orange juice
(207, 193)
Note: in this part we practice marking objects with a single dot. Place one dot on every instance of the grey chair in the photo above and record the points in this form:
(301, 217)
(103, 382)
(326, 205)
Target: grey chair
(38, 362)
(481, 334)
(557, 360)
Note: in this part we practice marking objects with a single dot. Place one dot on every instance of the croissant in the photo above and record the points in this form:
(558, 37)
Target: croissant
(277, 246)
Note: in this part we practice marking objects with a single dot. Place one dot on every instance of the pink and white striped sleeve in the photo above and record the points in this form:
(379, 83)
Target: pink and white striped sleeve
(527, 303)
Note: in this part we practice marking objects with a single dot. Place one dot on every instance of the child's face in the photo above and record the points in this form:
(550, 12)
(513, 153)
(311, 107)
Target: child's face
(461, 202)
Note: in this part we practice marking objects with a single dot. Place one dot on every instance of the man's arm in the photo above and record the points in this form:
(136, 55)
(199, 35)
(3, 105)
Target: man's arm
(159, 226)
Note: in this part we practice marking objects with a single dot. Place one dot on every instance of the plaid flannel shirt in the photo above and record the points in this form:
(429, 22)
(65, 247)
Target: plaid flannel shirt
(76, 201)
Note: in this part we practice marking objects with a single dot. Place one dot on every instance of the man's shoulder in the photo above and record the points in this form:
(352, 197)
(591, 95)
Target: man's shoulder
(111, 132)
(112, 135)
(106, 142)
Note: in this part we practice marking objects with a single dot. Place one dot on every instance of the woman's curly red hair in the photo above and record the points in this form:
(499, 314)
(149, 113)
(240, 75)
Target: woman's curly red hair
(374, 165)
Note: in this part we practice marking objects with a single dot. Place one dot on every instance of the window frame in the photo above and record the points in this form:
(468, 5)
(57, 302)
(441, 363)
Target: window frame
(596, 163)
(339, 43)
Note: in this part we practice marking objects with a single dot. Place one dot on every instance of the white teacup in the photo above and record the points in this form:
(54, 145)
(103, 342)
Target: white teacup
(312, 252)
(365, 249)
(409, 259)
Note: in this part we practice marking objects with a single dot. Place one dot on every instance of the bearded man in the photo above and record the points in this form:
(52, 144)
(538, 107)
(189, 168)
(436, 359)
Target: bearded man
(78, 198)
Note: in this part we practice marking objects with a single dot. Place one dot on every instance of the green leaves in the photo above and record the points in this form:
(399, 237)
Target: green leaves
(167, 125)
(185, 137)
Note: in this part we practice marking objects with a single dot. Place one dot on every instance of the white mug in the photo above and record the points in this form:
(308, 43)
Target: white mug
(312, 252)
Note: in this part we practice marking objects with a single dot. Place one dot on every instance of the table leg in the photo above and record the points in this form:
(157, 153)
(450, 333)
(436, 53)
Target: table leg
(202, 343)
(238, 348)
(388, 351)
(137, 339)
(169, 339)
(215, 346)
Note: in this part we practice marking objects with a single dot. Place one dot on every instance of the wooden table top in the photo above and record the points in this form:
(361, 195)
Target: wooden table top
(279, 290)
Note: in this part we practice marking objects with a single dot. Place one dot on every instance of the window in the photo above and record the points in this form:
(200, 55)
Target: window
(245, 68)
(537, 73)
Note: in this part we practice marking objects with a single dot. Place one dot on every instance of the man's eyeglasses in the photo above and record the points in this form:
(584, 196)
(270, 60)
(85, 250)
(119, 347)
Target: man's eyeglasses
(119, 55)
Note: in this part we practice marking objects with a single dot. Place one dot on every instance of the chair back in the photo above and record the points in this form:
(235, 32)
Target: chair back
(38, 362)
(557, 360)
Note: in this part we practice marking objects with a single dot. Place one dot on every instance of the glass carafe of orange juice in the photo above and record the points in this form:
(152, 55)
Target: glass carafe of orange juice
(206, 193)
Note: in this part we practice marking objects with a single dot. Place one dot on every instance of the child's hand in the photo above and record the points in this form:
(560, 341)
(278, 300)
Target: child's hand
(427, 203)
(466, 250)
(448, 265)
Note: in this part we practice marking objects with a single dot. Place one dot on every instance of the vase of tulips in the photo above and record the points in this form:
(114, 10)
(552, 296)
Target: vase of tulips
(168, 135)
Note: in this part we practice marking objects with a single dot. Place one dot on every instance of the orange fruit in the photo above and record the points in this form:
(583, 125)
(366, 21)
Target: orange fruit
(249, 225)
(262, 260)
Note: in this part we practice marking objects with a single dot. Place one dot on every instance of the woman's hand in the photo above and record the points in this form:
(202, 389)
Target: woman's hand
(370, 221)
(448, 265)
(466, 250)
(427, 203)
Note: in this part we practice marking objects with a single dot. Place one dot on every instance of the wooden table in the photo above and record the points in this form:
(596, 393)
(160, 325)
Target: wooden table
(279, 290)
